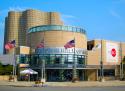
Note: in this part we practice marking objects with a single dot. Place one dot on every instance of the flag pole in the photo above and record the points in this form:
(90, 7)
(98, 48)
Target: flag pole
(15, 61)
(74, 63)
(44, 59)
(8, 46)
(13, 64)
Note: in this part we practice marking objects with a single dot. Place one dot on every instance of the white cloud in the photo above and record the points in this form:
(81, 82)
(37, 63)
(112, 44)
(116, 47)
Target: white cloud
(68, 19)
(68, 16)
(4, 12)
(115, 14)
(17, 8)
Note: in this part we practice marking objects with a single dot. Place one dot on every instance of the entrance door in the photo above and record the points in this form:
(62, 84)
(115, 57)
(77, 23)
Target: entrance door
(81, 74)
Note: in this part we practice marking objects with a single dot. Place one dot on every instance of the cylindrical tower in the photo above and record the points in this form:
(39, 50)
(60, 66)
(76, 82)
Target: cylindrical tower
(56, 36)
(13, 28)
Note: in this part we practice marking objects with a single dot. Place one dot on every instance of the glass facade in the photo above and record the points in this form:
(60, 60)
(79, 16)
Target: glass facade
(58, 67)
(53, 60)
(56, 27)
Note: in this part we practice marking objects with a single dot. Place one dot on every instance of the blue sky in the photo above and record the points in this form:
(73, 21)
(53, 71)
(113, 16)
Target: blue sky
(103, 19)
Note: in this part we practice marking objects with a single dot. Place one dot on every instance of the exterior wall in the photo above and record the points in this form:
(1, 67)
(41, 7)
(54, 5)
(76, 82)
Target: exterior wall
(92, 74)
(104, 54)
(17, 24)
(123, 48)
(57, 39)
(55, 18)
(95, 53)
(123, 56)
(4, 78)
(93, 58)
(6, 59)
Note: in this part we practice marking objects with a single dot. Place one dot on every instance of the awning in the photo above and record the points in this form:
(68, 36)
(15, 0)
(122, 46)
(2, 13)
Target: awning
(28, 71)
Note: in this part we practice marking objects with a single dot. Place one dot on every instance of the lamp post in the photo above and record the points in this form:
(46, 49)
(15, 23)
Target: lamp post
(42, 70)
(121, 64)
(43, 62)
(101, 65)
(14, 64)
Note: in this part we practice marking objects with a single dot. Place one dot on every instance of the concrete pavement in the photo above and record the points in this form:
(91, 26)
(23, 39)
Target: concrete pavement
(68, 84)
(10, 88)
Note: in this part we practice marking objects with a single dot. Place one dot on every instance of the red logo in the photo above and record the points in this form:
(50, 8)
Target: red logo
(113, 52)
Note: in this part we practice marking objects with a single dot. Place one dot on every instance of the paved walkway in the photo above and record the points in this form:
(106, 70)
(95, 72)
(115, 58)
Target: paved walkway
(69, 84)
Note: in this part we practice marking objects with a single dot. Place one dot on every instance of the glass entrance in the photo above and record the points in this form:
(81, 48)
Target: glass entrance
(63, 74)
(59, 75)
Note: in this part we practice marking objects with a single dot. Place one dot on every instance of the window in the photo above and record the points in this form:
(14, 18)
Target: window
(38, 29)
(64, 28)
(40, 59)
(78, 30)
(69, 28)
(34, 29)
(24, 59)
(108, 72)
(47, 59)
(35, 60)
(80, 60)
(74, 29)
(52, 59)
(64, 59)
(56, 27)
(58, 59)
(52, 27)
(70, 58)
(90, 46)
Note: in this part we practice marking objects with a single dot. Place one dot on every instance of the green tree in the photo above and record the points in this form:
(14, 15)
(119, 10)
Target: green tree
(8, 69)
(1, 69)
(5, 69)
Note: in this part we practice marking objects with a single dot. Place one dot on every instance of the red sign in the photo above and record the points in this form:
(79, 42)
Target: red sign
(113, 52)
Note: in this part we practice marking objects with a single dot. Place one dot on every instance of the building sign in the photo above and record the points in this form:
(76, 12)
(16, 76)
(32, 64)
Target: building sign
(60, 50)
(24, 50)
(111, 52)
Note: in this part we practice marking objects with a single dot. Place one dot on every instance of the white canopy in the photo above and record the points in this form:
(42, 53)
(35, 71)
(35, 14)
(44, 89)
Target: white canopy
(28, 71)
